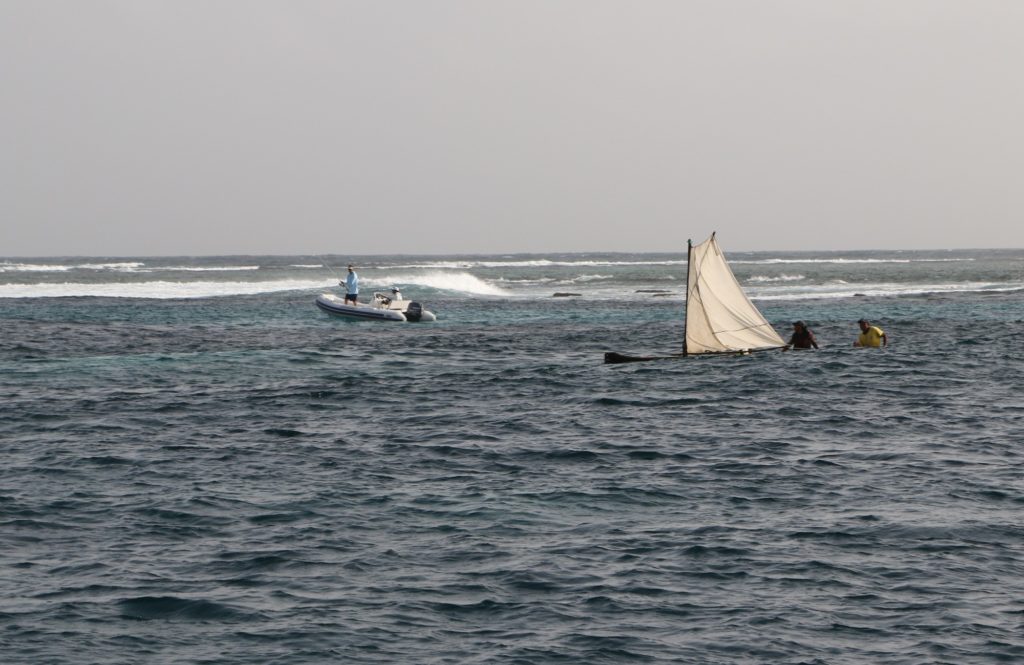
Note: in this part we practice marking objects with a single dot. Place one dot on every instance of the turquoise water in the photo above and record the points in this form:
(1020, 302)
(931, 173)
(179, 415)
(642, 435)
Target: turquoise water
(218, 472)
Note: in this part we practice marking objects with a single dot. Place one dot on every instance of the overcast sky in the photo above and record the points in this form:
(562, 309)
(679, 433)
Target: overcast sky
(139, 127)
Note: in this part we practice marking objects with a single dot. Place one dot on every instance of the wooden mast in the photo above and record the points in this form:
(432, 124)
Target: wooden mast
(686, 300)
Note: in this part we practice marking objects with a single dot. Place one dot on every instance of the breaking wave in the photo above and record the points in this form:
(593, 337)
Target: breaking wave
(126, 266)
(462, 282)
(205, 268)
(842, 261)
(533, 263)
(831, 291)
(758, 279)
(157, 289)
(121, 266)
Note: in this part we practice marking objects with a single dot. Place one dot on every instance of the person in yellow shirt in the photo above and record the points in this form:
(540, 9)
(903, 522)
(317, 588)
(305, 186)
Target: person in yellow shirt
(870, 335)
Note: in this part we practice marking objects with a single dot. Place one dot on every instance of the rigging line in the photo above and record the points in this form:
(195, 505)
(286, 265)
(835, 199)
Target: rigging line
(734, 313)
(324, 263)
(759, 325)
(720, 301)
(764, 322)
(716, 331)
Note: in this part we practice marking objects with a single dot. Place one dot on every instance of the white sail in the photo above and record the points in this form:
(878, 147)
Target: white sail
(719, 316)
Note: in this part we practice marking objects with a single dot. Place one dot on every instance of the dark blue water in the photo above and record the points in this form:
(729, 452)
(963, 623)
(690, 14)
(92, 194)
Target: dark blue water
(245, 480)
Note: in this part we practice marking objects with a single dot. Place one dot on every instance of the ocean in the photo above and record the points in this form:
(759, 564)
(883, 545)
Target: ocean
(202, 467)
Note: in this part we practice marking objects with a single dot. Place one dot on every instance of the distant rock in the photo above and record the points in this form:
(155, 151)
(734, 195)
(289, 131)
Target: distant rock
(563, 294)
(652, 291)
(660, 295)
(859, 295)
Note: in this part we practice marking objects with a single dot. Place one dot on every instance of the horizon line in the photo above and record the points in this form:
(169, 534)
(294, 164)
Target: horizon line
(506, 253)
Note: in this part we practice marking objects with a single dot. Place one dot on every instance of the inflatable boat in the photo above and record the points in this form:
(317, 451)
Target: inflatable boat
(384, 307)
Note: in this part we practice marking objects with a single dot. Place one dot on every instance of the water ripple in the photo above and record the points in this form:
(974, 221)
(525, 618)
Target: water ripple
(242, 482)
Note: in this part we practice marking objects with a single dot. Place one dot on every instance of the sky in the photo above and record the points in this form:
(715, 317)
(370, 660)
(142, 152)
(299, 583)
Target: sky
(182, 127)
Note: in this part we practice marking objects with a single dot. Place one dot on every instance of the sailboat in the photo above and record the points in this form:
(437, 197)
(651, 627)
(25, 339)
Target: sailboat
(719, 316)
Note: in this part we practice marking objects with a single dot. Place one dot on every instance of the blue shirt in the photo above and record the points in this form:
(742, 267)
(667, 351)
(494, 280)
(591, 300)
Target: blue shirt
(352, 283)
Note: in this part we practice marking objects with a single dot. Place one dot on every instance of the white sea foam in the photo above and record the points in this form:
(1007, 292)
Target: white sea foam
(119, 266)
(776, 278)
(451, 281)
(527, 281)
(432, 265)
(462, 282)
(842, 261)
(535, 263)
(832, 290)
(123, 266)
(205, 268)
(158, 289)
(32, 267)
(469, 264)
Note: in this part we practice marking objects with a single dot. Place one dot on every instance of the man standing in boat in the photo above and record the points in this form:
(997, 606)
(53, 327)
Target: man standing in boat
(352, 286)
(802, 337)
(871, 336)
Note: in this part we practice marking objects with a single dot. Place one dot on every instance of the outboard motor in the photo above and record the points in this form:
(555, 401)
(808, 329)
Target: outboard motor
(414, 312)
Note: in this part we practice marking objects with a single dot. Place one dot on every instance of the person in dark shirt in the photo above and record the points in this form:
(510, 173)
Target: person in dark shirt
(802, 337)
